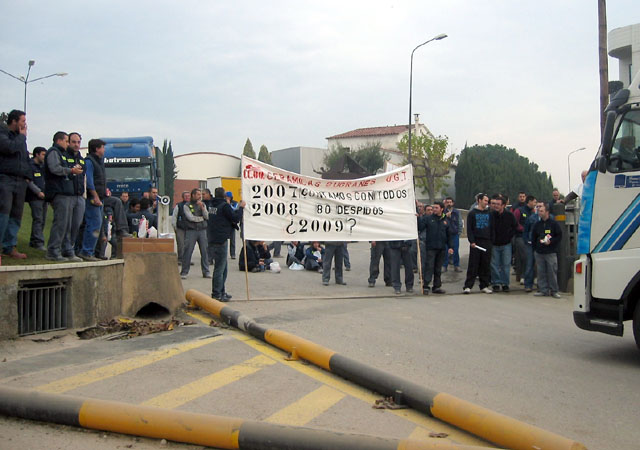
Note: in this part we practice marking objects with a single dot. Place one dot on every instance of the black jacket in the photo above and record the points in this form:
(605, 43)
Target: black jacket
(222, 221)
(14, 156)
(99, 175)
(253, 257)
(77, 180)
(57, 183)
(540, 230)
(505, 227)
(437, 230)
(38, 179)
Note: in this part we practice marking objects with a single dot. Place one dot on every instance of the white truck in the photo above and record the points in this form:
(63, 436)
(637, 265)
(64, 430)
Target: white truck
(607, 272)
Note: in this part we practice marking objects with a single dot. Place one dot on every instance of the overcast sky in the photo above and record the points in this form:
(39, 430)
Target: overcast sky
(209, 74)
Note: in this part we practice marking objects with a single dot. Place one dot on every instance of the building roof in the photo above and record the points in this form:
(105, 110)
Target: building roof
(374, 131)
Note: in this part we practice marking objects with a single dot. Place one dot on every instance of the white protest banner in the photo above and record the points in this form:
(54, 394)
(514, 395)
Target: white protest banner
(286, 206)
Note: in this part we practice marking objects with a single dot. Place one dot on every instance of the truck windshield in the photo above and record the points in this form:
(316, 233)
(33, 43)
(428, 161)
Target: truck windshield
(625, 154)
(134, 173)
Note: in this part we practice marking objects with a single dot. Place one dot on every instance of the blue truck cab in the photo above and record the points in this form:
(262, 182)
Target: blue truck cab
(131, 165)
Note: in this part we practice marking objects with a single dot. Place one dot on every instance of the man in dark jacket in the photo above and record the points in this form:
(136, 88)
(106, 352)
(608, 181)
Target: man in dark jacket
(480, 235)
(58, 191)
(504, 229)
(96, 192)
(77, 199)
(15, 171)
(455, 224)
(223, 221)
(438, 238)
(35, 197)
(545, 237)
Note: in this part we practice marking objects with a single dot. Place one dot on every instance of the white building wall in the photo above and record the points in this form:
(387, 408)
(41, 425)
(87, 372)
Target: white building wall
(200, 166)
(624, 44)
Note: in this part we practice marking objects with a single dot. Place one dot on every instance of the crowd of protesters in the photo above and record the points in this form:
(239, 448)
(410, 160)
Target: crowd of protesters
(61, 178)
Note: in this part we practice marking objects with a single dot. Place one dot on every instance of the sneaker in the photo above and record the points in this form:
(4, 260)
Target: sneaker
(348, 269)
(325, 283)
(444, 269)
(15, 254)
(466, 291)
(184, 277)
(88, 258)
(58, 258)
(496, 288)
(226, 296)
(397, 291)
(556, 295)
(222, 298)
(233, 257)
(425, 291)
(457, 269)
(522, 282)
(409, 290)
(487, 290)
(438, 291)
(343, 283)
(528, 289)
(40, 247)
(206, 275)
(539, 294)
(73, 258)
(505, 288)
(388, 284)
(372, 284)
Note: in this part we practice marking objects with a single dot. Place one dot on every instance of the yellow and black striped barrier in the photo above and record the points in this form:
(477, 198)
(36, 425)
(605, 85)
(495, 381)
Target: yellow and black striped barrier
(492, 426)
(192, 428)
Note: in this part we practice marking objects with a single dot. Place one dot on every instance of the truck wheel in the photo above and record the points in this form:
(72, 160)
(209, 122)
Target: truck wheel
(636, 324)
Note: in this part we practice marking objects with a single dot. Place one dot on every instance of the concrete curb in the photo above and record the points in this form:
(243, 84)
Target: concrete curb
(492, 426)
(192, 428)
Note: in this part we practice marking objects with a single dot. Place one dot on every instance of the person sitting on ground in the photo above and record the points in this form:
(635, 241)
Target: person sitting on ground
(133, 216)
(253, 257)
(295, 253)
(265, 256)
(313, 257)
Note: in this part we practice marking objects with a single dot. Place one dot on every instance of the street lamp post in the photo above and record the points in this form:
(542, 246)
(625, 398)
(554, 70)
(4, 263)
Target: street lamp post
(569, 162)
(26, 80)
(437, 38)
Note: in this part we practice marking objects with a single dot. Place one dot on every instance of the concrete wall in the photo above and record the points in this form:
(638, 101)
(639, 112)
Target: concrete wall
(94, 291)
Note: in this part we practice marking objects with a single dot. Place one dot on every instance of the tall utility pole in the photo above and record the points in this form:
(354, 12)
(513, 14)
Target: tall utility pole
(603, 61)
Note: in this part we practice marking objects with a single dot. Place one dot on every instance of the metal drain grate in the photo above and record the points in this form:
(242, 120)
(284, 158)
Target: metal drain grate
(42, 306)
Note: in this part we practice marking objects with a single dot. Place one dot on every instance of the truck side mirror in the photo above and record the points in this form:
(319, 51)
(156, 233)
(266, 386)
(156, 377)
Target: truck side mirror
(607, 136)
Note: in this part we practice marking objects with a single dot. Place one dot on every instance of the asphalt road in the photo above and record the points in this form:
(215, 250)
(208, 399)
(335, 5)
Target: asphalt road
(513, 353)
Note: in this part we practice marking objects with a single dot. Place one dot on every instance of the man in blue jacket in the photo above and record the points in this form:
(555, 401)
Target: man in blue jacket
(15, 171)
(223, 220)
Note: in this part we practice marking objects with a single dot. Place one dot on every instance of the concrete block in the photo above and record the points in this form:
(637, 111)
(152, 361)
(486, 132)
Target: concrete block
(151, 277)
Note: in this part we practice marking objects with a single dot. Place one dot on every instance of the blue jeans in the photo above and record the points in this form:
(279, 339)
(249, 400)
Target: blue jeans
(220, 269)
(500, 264)
(529, 267)
(456, 252)
(93, 223)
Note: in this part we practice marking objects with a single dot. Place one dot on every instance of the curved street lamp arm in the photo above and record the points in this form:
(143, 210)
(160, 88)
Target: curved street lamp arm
(12, 76)
(48, 76)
